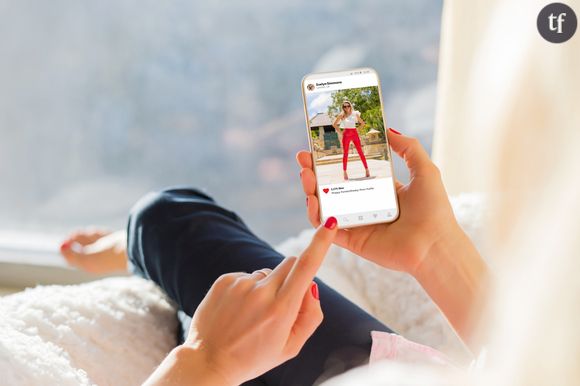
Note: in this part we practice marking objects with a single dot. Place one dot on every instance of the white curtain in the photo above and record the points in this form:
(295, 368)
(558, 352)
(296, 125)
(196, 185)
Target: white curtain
(509, 123)
(497, 74)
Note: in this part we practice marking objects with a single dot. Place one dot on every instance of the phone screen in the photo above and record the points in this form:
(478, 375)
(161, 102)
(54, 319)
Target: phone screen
(350, 150)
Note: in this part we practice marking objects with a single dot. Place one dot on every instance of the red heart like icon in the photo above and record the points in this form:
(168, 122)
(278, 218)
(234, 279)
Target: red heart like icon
(325, 190)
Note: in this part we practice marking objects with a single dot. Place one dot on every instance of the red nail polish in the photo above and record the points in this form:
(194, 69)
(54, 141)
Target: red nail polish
(394, 131)
(65, 245)
(314, 290)
(330, 223)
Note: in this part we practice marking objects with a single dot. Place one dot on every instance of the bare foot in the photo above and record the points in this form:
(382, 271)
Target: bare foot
(96, 251)
(345, 175)
(367, 173)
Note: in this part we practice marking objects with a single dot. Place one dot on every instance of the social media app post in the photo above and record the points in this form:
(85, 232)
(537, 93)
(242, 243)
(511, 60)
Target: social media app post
(349, 148)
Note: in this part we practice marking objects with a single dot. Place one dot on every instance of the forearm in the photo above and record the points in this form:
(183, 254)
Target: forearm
(185, 366)
(336, 123)
(455, 277)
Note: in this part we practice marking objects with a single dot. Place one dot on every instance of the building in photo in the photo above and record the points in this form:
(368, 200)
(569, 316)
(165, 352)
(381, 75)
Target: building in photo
(326, 146)
(324, 136)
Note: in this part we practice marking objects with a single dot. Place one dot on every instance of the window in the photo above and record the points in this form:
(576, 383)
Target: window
(104, 101)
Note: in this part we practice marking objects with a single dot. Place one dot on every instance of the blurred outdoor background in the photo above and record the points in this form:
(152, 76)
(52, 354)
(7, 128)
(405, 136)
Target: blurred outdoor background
(101, 102)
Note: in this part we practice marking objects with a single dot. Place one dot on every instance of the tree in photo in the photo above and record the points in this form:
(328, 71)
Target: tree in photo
(366, 100)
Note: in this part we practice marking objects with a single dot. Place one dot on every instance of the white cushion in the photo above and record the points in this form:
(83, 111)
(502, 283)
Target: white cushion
(108, 332)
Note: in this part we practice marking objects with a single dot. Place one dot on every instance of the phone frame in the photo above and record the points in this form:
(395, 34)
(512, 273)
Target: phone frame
(340, 73)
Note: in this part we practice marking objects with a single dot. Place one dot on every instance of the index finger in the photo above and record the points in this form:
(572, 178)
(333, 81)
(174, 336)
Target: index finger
(300, 276)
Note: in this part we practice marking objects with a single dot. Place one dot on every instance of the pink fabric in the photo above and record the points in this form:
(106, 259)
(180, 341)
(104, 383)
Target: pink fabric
(396, 348)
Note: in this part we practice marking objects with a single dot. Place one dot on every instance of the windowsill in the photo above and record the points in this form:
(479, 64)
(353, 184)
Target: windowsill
(28, 259)
(29, 248)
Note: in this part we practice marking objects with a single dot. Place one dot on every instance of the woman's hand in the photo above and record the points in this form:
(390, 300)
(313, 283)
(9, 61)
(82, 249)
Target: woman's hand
(425, 218)
(250, 323)
(360, 122)
(425, 241)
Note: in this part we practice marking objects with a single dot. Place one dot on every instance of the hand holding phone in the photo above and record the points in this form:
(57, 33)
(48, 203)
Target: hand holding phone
(426, 241)
(426, 214)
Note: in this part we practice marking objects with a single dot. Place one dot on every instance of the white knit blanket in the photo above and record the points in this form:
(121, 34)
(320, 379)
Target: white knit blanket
(108, 332)
(115, 331)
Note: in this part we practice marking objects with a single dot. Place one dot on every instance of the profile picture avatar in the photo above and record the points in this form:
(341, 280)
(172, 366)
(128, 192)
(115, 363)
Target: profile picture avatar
(557, 23)
(310, 87)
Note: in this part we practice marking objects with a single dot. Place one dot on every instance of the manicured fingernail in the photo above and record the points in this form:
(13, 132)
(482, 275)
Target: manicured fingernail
(394, 131)
(331, 223)
(314, 290)
(65, 245)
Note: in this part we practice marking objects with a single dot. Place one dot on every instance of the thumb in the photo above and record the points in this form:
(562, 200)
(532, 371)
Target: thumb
(411, 150)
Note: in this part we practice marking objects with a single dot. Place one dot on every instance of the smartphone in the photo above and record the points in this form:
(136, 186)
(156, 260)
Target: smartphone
(350, 150)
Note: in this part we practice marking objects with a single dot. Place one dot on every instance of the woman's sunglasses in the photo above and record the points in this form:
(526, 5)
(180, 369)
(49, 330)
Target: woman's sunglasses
(345, 106)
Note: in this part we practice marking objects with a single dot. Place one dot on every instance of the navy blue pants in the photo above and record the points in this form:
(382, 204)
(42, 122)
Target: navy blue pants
(183, 241)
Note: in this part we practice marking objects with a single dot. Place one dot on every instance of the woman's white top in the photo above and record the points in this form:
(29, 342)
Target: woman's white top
(350, 121)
